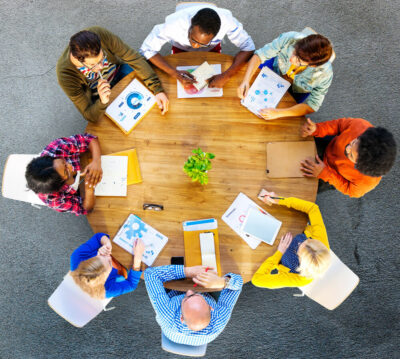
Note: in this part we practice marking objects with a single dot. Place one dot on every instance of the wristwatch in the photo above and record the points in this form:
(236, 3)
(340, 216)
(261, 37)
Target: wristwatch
(227, 280)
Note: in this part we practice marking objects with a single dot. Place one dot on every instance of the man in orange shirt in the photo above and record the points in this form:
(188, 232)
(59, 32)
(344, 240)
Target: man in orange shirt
(355, 154)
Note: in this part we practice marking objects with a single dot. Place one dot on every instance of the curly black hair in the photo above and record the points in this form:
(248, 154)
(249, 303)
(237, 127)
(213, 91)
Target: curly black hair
(207, 20)
(41, 177)
(376, 152)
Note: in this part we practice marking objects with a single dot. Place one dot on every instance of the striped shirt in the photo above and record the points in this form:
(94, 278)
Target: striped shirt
(168, 306)
(108, 72)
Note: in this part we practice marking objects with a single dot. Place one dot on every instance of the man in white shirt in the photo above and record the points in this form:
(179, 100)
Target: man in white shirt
(198, 28)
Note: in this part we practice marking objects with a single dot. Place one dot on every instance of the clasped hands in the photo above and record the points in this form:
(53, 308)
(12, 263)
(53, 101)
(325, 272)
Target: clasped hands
(216, 81)
(206, 279)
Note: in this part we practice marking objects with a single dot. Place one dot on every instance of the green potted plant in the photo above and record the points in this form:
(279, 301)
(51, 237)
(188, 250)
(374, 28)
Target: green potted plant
(197, 166)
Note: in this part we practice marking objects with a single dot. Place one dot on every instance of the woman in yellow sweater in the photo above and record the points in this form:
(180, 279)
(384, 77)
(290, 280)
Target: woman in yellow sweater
(297, 260)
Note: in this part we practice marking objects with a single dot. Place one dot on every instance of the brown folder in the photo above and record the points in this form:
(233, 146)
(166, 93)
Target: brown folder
(283, 158)
(193, 251)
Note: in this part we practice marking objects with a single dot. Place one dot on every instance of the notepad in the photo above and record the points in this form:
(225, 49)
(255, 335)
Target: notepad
(130, 106)
(208, 250)
(266, 91)
(261, 226)
(201, 74)
(284, 158)
(236, 215)
(134, 228)
(114, 180)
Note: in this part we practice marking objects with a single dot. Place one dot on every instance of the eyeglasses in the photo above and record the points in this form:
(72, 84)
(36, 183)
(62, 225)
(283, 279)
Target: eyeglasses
(154, 207)
(196, 42)
(101, 62)
(189, 296)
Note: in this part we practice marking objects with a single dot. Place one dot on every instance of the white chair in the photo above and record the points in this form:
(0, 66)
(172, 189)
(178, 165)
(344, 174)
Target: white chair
(185, 5)
(310, 31)
(182, 349)
(14, 182)
(74, 305)
(333, 287)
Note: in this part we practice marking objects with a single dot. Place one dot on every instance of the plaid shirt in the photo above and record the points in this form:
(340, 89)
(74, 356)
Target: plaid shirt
(67, 199)
(168, 306)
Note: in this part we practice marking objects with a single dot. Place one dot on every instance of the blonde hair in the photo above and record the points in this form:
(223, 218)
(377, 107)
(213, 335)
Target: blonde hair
(90, 276)
(314, 258)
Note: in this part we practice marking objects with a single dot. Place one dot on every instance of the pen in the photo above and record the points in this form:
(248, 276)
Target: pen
(265, 195)
(187, 76)
(101, 76)
(195, 285)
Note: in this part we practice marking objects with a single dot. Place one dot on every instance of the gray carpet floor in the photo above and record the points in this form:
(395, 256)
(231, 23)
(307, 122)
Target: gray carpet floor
(36, 244)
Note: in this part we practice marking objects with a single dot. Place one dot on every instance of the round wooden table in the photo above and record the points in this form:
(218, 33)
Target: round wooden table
(219, 125)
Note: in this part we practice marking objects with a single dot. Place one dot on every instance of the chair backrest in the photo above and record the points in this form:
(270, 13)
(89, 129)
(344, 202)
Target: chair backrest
(14, 182)
(310, 31)
(334, 286)
(182, 349)
(185, 5)
(74, 305)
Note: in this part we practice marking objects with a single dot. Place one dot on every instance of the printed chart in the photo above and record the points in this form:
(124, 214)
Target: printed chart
(266, 91)
(134, 228)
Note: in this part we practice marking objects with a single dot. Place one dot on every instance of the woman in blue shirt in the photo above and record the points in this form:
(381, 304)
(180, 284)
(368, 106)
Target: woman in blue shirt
(95, 272)
(303, 61)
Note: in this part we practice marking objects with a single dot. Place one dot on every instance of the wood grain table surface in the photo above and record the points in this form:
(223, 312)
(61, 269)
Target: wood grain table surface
(219, 125)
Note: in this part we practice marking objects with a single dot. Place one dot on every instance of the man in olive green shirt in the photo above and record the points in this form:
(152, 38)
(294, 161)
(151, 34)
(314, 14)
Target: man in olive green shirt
(93, 63)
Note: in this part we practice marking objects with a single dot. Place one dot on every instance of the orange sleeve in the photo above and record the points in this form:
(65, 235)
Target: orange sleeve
(332, 128)
(343, 185)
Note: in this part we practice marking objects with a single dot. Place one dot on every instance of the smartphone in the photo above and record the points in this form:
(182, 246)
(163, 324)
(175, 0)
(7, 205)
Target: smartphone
(177, 261)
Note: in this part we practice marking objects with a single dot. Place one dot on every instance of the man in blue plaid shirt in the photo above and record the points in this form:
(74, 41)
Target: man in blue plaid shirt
(192, 318)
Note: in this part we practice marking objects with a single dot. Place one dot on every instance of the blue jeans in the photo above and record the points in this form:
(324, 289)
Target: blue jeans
(123, 70)
(299, 97)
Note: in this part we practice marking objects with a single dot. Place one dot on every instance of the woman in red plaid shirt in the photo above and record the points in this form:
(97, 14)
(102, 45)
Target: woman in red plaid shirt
(55, 175)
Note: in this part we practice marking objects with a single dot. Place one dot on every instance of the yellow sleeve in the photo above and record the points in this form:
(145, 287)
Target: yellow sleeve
(316, 229)
(263, 277)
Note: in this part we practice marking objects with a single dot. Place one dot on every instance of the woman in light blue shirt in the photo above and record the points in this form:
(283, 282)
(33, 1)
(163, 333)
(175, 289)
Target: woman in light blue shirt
(303, 61)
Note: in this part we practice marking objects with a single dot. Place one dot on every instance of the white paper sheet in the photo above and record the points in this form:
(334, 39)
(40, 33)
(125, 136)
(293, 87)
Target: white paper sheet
(192, 92)
(266, 91)
(115, 174)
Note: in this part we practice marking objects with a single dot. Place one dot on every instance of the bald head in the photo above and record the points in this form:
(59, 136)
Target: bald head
(195, 311)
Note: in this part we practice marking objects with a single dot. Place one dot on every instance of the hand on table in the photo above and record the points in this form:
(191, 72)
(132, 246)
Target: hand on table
(243, 89)
(217, 81)
(265, 196)
(104, 90)
(209, 280)
(185, 77)
(162, 102)
(308, 128)
(285, 242)
(93, 173)
(191, 272)
(311, 167)
(271, 113)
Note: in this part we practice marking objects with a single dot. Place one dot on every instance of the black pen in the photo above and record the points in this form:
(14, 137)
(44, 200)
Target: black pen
(265, 195)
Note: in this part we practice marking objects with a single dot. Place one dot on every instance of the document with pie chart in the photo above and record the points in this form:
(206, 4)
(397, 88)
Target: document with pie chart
(266, 91)
(130, 106)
